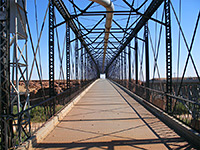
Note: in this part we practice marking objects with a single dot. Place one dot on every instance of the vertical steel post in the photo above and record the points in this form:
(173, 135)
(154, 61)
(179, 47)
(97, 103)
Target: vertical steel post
(125, 67)
(51, 49)
(147, 58)
(119, 65)
(85, 66)
(88, 68)
(5, 104)
(68, 55)
(98, 73)
(51, 56)
(122, 68)
(136, 60)
(76, 59)
(168, 55)
(81, 64)
(129, 65)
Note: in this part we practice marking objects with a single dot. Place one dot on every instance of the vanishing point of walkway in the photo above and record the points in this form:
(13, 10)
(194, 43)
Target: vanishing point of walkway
(108, 118)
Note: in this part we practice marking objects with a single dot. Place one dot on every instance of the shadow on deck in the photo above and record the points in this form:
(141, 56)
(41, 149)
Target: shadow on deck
(108, 118)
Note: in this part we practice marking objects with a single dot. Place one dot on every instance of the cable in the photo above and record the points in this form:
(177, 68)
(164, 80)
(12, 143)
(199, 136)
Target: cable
(36, 18)
(179, 45)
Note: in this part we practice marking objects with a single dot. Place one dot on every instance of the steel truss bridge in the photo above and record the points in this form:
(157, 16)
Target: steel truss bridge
(144, 49)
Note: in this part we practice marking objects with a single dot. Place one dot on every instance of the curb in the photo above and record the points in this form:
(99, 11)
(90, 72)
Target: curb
(52, 123)
(184, 131)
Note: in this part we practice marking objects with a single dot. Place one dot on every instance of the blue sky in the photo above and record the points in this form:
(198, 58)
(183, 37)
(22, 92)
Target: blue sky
(190, 10)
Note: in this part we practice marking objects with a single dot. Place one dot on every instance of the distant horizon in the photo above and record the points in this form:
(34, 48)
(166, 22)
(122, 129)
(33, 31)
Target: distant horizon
(123, 79)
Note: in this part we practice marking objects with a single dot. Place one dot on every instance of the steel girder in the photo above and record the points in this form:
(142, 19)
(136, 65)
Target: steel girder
(129, 64)
(68, 55)
(168, 55)
(66, 15)
(146, 53)
(125, 67)
(136, 60)
(76, 58)
(154, 5)
(122, 67)
(81, 64)
(146, 36)
(51, 49)
(5, 103)
(85, 66)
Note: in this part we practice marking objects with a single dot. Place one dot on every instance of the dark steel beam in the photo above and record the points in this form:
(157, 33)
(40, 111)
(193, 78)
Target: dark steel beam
(136, 60)
(154, 5)
(74, 5)
(88, 7)
(76, 58)
(124, 29)
(105, 32)
(168, 55)
(124, 70)
(127, 23)
(68, 55)
(129, 65)
(147, 58)
(144, 15)
(66, 15)
(6, 133)
(51, 49)
(81, 64)
(85, 66)
(89, 30)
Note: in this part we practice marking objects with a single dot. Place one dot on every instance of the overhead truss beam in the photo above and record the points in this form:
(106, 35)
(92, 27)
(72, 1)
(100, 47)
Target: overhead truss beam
(154, 5)
(66, 15)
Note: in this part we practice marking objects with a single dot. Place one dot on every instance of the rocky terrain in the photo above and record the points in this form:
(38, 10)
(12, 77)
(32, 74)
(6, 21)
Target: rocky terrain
(35, 88)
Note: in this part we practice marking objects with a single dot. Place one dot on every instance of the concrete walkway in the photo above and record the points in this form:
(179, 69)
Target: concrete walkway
(103, 119)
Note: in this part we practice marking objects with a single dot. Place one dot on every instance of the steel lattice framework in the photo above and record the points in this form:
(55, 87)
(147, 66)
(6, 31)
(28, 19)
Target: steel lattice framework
(140, 30)
(68, 55)
(168, 54)
(51, 48)
(5, 104)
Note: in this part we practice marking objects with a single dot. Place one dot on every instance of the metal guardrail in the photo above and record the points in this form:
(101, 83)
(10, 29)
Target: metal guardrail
(185, 110)
(32, 118)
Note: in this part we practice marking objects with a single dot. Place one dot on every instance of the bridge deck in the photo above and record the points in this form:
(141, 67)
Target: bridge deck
(107, 118)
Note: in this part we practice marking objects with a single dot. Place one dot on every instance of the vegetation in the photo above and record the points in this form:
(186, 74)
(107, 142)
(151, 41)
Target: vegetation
(39, 113)
(180, 109)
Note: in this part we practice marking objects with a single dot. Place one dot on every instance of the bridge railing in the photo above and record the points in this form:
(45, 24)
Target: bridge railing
(185, 110)
(32, 118)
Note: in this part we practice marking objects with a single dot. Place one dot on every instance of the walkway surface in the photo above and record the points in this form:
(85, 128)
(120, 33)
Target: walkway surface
(107, 118)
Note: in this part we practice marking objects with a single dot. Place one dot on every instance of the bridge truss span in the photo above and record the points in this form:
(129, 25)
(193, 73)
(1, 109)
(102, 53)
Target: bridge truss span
(51, 50)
